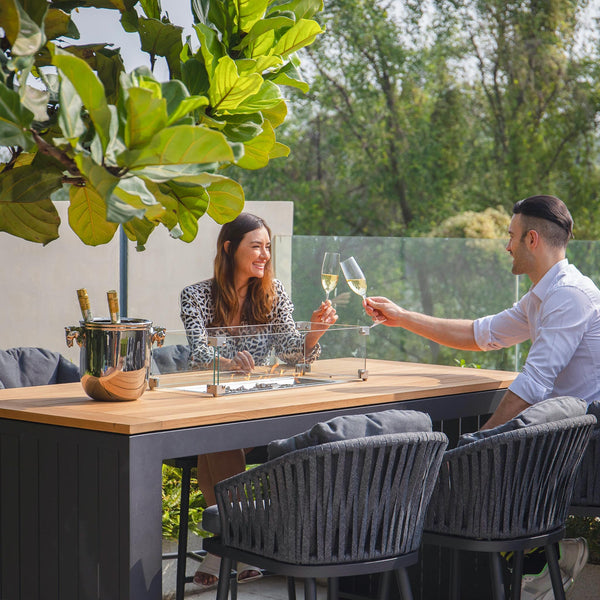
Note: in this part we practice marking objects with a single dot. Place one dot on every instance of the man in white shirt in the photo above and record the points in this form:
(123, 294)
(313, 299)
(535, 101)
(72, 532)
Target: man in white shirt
(561, 316)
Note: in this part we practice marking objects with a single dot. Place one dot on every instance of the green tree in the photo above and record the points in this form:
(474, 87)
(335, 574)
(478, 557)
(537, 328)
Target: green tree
(124, 148)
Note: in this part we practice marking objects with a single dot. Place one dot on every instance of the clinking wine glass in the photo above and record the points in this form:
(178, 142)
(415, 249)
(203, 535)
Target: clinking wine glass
(330, 272)
(356, 279)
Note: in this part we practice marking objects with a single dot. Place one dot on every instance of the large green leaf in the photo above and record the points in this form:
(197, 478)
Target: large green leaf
(69, 116)
(192, 204)
(303, 9)
(99, 178)
(179, 145)
(162, 39)
(90, 89)
(276, 114)
(15, 120)
(139, 230)
(87, 216)
(58, 23)
(109, 66)
(302, 34)
(30, 37)
(29, 183)
(226, 200)
(257, 150)
(228, 89)
(35, 221)
(36, 101)
(260, 28)
(289, 75)
(151, 8)
(134, 191)
(146, 116)
(195, 76)
(211, 49)
(160, 173)
(186, 107)
(243, 128)
(268, 97)
(249, 12)
(10, 20)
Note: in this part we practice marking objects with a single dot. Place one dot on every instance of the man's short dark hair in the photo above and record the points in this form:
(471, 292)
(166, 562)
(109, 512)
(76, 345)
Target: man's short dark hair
(549, 216)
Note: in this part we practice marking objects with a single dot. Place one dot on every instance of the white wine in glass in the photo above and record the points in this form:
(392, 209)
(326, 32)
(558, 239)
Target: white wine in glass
(356, 279)
(330, 272)
(354, 276)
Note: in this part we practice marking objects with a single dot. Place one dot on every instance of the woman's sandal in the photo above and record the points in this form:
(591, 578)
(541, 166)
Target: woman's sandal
(210, 566)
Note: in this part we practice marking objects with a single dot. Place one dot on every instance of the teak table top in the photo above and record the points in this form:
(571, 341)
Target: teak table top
(164, 408)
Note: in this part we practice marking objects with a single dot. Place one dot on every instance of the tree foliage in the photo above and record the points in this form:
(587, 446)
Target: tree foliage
(125, 148)
(420, 110)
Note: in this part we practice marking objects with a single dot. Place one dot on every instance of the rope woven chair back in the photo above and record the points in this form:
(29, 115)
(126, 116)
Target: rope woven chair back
(587, 484)
(510, 485)
(353, 500)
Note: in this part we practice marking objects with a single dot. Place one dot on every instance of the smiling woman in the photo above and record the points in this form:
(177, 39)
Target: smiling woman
(243, 295)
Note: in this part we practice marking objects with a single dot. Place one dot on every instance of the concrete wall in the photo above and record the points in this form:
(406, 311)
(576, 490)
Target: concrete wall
(38, 284)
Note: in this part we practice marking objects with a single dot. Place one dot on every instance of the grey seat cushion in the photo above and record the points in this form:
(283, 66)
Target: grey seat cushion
(353, 426)
(23, 367)
(170, 359)
(547, 411)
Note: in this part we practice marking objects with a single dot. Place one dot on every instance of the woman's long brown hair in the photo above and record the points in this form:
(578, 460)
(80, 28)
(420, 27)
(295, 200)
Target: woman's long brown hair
(261, 292)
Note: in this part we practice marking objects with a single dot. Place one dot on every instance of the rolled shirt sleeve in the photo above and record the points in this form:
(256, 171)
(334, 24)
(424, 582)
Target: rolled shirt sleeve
(503, 330)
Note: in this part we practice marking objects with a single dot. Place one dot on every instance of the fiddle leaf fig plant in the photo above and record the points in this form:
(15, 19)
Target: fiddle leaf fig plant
(123, 148)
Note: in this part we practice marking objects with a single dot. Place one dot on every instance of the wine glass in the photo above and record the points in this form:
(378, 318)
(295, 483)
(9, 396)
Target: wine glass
(356, 279)
(330, 272)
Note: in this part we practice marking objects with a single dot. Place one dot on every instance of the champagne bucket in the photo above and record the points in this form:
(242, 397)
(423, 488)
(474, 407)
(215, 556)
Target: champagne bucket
(115, 357)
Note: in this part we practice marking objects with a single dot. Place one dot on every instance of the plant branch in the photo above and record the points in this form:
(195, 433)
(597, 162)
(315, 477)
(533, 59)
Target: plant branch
(57, 154)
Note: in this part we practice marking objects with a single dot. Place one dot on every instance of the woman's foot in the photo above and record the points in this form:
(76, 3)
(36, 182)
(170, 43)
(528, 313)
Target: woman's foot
(207, 574)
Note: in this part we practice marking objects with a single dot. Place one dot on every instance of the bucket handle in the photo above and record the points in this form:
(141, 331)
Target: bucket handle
(74, 333)
(158, 336)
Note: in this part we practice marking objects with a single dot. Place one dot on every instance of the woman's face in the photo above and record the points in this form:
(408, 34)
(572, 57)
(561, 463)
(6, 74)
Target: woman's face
(253, 254)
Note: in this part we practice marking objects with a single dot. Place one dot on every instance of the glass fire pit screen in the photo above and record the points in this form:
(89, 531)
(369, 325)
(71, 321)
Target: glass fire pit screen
(253, 358)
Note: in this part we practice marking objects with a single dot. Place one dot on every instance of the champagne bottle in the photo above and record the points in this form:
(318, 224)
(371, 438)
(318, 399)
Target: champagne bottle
(113, 306)
(84, 304)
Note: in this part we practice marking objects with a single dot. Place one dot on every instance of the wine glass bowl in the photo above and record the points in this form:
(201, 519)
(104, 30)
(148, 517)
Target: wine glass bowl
(330, 272)
(354, 276)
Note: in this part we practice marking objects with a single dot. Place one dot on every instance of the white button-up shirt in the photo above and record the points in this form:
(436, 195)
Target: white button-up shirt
(561, 316)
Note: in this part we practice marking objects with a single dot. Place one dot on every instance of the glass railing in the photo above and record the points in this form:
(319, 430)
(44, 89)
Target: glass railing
(453, 278)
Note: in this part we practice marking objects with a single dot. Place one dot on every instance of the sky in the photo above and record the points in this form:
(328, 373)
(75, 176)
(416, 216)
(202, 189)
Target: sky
(102, 25)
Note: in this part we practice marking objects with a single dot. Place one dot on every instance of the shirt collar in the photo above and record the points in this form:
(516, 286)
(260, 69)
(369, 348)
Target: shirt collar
(545, 283)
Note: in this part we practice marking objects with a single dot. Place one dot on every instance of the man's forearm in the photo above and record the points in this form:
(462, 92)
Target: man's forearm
(510, 406)
(455, 333)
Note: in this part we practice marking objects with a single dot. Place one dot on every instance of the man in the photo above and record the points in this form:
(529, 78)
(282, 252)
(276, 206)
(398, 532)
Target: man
(561, 316)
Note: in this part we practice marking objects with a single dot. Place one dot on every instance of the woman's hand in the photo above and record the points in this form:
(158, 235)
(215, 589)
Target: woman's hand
(242, 361)
(323, 317)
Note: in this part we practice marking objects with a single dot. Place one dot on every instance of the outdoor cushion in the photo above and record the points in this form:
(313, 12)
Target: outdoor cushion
(23, 367)
(353, 426)
(170, 359)
(547, 411)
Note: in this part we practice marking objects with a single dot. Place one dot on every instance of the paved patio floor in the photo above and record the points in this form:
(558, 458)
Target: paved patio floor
(586, 587)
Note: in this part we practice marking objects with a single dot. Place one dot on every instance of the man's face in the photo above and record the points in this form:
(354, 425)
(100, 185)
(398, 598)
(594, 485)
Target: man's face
(517, 246)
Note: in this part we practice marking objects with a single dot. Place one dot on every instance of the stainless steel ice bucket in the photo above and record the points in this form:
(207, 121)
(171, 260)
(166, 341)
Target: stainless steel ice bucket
(114, 357)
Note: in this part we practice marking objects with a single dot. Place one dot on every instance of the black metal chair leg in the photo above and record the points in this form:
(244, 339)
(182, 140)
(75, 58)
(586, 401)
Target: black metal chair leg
(291, 587)
(184, 510)
(404, 584)
(555, 575)
(333, 588)
(385, 580)
(517, 575)
(224, 578)
(310, 589)
(454, 575)
(498, 592)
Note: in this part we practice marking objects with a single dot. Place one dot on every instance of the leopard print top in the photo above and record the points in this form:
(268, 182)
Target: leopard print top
(280, 335)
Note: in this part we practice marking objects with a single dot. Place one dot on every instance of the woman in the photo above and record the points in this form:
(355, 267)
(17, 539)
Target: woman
(243, 293)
